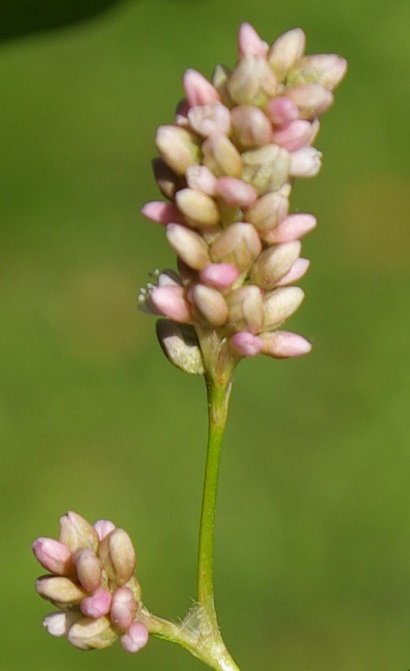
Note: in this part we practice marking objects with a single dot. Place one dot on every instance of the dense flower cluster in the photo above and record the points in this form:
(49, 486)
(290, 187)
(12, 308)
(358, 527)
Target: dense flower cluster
(226, 167)
(92, 581)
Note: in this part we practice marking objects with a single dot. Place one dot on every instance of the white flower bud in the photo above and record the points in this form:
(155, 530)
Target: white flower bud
(273, 263)
(279, 305)
(209, 304)
(199, 209)
(267, 168)
(238, 244)
(180, 345)
(178, 147)
(88, 634)
(221, 156)
(189, 245)
(285, 51)
(246, 311)
(117, 555)
(325, 69)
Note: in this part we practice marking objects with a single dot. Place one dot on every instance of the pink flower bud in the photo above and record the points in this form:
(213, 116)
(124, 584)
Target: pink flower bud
(221, 156)
(279, 305)
(178, 147)
(251, 126)
(88, 634)
(208, 119)
(60, 590)
(162, 213)
(273, 263)
(198, 90)
(170, 302)
(209, 304)
(89, 569)
(135, 638)
(98, 604)
(200, 178)
(239, 244)
(282, 110)
(123, 608)
(305, 162)
(246, 310)
(298, 270)
(311, 99)
(267, 168)
(235, 192)
(199, 209)
(219, 275)
(285, 51)
(293, 136)
(103, 528)
(283, 344)
(76, 533)
(292, 227)
(249, 42)
(245, 344)
(54, 556)
(116, 551)
(189, 246)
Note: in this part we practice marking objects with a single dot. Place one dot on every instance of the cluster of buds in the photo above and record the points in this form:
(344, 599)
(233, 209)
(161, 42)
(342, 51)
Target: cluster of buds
(92, 581)
(226, 167)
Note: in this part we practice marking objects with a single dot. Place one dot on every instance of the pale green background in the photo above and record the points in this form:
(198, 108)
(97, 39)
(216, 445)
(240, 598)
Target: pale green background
(313, 532)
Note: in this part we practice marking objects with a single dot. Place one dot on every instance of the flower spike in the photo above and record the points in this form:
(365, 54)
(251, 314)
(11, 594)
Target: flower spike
(232, 156)
(92, 581)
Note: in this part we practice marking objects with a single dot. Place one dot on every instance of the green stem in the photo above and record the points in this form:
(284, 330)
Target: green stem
(218, 402)
(199, 632)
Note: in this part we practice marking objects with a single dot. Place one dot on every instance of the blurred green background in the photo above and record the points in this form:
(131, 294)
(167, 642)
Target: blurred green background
(313, 530)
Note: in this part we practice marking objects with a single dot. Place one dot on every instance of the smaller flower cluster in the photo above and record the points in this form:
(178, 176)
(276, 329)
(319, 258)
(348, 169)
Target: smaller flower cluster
(92, 581)
(227, 166)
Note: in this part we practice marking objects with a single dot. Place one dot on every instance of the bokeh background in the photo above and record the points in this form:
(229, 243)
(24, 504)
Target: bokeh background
(313, 530)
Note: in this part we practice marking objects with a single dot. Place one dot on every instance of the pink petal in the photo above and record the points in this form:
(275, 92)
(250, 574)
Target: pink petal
(103, 528)
(135, 638)
(53, 555)
(235, 192)
(171, 302)
(219, 275)
(97, 605)
(162, 213)
(292, 227)
(284, 344)
(198, 90)
(249, 42)
(246, 344)
(298, 270)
